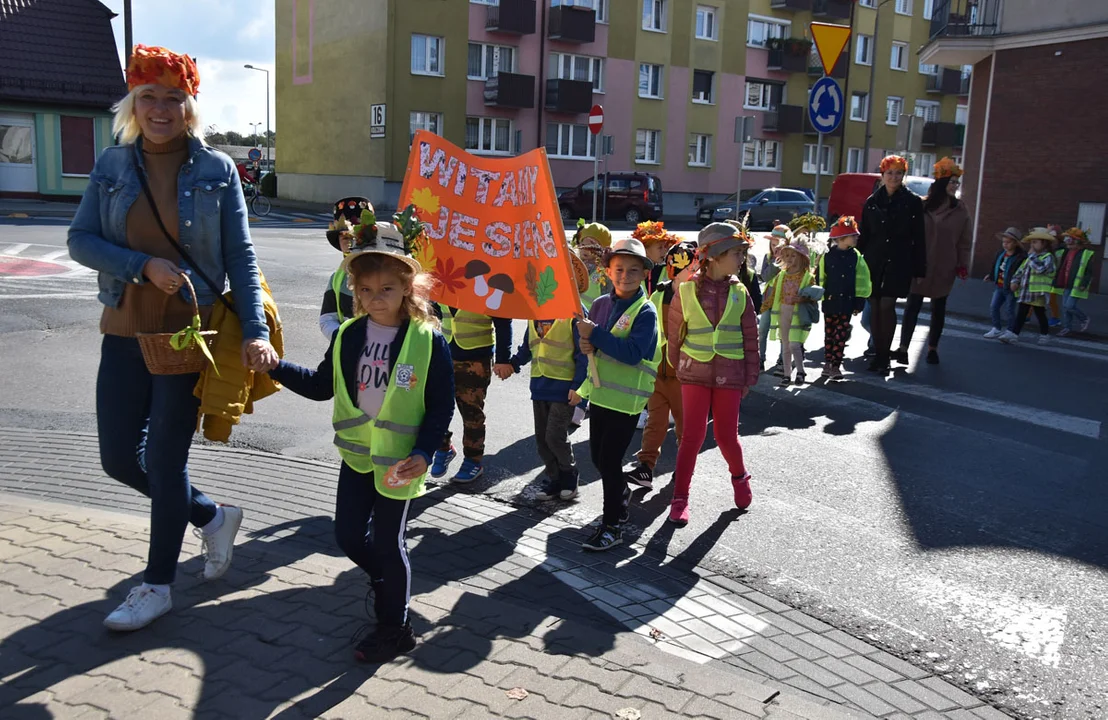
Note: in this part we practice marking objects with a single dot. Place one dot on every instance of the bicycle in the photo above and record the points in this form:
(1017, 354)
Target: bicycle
(259, 204)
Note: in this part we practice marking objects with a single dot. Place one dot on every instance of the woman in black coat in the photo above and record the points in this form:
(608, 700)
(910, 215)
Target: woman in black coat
(893, 242)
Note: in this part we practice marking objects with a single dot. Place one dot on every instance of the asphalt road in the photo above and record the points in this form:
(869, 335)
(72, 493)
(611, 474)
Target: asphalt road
(954, 514)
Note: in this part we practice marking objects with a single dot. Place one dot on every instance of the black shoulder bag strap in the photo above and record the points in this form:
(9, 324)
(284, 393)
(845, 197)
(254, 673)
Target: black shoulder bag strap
(141, 172)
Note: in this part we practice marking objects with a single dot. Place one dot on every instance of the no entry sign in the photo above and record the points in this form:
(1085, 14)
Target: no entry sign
(596, 119)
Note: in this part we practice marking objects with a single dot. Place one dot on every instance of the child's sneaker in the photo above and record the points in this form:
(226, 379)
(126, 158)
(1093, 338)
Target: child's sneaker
(143, 606)
(993, 334)
(640, 475)
(1054, 322)
(441, 462)
(826, 375)
(605, 538)
(385, 643)
(568, 484)
(469, 472)
(1044, 339)
(836, 373)
(1063, 332)
(548, 490)
(743, 495)
(1084, 325)
(801, 378)
(1008, 337)
(679, 511)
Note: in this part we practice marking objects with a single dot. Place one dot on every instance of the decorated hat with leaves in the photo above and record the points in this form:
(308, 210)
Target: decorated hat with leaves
(650, 232)
(1078, 235)
(845, 226)
(809, 222)
(347, 213)
(947, 168)
(372, 237)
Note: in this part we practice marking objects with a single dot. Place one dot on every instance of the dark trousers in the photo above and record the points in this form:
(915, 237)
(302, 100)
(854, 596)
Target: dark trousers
(883, 323)
(370, 529)
(836, 334)
(911, 317)
(552, 420)
(1024, 312)
(610, 434)
(471, 383)
(145, 424)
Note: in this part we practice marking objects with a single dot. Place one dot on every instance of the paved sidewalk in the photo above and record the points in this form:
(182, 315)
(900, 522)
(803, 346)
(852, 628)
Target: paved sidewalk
(503, 598)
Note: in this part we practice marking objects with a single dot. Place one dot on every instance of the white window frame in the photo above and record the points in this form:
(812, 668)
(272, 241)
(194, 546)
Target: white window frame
(599, 6)
(904, 7)
(855, 160)
(766, 95)
(928, 9)
(755, 40)
(422, 120)
(867, 3)
(700, 150)
(890, 102)
(865, 106)
(596, 69)
(654, 15)
(645, 135)
(863, 42)
(925, 107)
(710, 15)
(590, 145)
(761, 148)
(485, 61)
(809, 157)
(928, 70)
(922, 163)
(661, 74)
(440, 72)
(711, 100)
(962, 112)
(484, 2)
(902, 66)
(486, 130)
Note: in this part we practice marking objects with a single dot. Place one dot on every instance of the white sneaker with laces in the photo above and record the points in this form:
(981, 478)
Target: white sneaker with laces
(1008, 337)
(218, 547)
(993, 334)
(143, 606)
(1044, 339)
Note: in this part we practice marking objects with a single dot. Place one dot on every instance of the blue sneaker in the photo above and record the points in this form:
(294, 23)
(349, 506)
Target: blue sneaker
(441, 462)
(469, 472)
(1054, 322)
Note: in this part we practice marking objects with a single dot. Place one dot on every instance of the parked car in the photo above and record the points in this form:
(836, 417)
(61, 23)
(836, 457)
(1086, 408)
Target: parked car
(765, 207)
(633, 197)
(850, 190)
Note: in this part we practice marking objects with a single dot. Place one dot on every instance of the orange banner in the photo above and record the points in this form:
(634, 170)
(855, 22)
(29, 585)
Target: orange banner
(497, 246)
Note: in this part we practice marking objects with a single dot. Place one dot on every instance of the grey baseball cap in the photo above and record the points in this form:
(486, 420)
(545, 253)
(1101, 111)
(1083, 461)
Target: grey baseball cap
(718, 237)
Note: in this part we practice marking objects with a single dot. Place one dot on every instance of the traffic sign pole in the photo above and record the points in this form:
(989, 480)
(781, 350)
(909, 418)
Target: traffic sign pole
(596, 124)
(819, 168)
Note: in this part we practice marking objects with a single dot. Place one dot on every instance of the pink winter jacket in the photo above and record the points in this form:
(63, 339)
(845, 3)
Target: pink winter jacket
(720, 371)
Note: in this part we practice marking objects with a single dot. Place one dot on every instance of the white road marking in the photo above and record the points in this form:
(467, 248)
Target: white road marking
(47, 296)
(14, 249)
(55, 255)
(1066, 342)
(297, 306)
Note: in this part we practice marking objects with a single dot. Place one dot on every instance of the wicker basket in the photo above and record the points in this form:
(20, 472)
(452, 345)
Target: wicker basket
(162, 359)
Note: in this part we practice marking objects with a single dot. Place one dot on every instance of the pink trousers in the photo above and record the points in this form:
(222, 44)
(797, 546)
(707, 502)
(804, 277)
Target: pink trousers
(723, 403)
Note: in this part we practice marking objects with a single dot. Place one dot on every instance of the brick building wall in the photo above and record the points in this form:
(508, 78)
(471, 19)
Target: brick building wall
(1046, 149)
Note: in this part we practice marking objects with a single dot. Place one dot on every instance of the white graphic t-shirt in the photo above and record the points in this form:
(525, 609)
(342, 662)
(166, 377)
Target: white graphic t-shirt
(373, 367)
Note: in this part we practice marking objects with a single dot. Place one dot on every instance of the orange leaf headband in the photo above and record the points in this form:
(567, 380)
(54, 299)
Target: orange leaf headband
(894, 162)
(946, 168)
(152, 65)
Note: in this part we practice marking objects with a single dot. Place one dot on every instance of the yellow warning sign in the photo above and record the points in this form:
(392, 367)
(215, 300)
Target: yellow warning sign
(830, 41)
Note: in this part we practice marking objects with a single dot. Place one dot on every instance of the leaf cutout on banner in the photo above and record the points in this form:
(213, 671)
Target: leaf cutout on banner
(426, 202)
(532, 279)
(546, 286)
(451, 278)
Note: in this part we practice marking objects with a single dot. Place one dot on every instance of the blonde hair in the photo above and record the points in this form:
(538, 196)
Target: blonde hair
(417, 303)
(126, 125)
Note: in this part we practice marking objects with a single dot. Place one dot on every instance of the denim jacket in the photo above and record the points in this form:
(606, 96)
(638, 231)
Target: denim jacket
(212, 229)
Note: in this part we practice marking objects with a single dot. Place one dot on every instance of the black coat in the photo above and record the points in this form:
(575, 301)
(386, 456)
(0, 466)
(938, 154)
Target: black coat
(892, 239)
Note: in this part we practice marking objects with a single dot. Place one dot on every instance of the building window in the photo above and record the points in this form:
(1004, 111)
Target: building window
(961, 115)
(489, 135)
(484, 2)
(928, 9)
(903, 7)
(578, 67)
(702, 86)
(810, 159)
(700, 150)
(921, 163)
(654, 15)
(893, 108)
(600, 6)
(429, 121)
(927, 110)
(706, 23)
(925, 69)
(485, 61)
(854, 162)
(863, 50)
(564, 140)
(760, 30)
(646, 146)
(427, 55)
(859, 106)
(898, 59)
(868, 3)
(78, 145)
(762, 95)
(650, 81)
(762, 155)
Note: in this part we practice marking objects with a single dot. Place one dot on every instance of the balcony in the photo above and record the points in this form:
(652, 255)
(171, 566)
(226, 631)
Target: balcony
(786, 119)
(792, 5)
(962, 32)
(834, 9)
(510, 90)
(511, 17)
(568, 96)
(784, 61)
(572, 24)
(947, 82)
(943, 134)
(815, 67)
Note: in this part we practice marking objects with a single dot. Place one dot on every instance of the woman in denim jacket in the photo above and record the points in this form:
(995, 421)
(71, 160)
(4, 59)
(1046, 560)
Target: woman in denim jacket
(146, 422)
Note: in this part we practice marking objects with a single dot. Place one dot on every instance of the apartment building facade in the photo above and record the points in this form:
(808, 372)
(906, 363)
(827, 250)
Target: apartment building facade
(507, 76)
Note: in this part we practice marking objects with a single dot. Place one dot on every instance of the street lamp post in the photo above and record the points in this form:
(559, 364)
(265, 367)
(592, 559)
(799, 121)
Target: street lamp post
(268, 161)
(254, 127)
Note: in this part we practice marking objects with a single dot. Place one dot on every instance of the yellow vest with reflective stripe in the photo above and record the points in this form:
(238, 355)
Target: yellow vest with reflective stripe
(467, 329)
(656, 299)
(863, 285)
(374, 445)
(592, 293)
(702, 340)
(552, 354)
(624, 388)
(797, 332)
(338, 283)
(1036, 282)
(1079, 280)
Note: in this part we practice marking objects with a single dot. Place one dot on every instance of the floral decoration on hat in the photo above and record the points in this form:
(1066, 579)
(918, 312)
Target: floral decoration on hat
(947, 168)
(650, 232)
(894, 162)
(1078, 235)
(845, 226)
(809, 223)
(153, 65)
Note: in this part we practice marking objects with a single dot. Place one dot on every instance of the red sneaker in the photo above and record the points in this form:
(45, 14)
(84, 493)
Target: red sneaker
(679, 511)
(743, 496)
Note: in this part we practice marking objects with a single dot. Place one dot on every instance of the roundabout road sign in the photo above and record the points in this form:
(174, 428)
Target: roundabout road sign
(825, 105)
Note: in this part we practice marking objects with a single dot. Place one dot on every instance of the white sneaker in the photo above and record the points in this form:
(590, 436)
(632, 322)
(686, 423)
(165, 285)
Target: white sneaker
(1008, 337)
(994, 334)
(642, 421)
(218, 547)
(143, 606)
(1044, 339)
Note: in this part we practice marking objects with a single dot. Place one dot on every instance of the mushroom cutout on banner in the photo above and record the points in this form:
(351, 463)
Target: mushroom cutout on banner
(500, 284)
(476, 271)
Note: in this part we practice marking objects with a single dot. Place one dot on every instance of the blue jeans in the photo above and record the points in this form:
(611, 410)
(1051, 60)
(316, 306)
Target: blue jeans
(1003, 299)
(864, 321)
(1072, 313)
(763, 336)
(145, 423)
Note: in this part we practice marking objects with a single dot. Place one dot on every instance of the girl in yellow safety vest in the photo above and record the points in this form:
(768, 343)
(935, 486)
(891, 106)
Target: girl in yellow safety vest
(388, 370)
(783, 300)
(713, 343)
(1074, 276)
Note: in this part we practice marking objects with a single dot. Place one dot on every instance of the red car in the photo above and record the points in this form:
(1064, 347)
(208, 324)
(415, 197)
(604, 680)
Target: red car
(850, 190)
